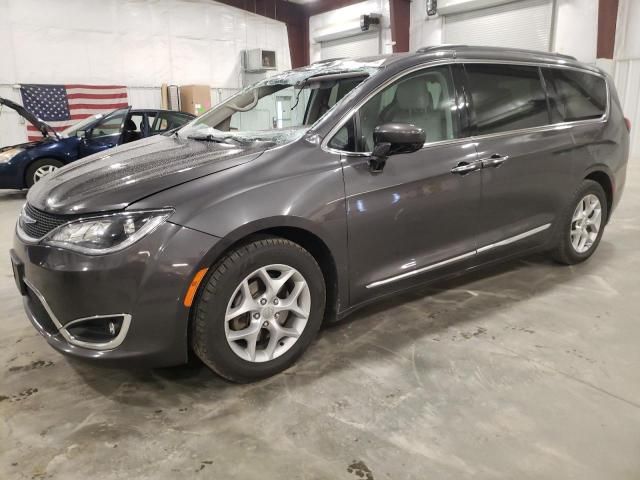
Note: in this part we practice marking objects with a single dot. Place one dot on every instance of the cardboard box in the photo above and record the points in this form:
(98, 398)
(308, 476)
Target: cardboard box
(195, 99)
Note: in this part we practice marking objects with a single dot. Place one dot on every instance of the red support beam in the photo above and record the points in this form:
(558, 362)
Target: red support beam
(607, 18)
(400, 24)
(298, 33)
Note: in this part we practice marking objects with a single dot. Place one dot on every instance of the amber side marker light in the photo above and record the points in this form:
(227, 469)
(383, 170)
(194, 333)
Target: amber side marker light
(193, 288)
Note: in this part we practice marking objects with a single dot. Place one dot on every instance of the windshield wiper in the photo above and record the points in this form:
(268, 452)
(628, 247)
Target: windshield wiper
(214, 138)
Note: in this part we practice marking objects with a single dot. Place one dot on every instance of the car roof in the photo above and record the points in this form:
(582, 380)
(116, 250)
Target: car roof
(471, 52)
(147, 110)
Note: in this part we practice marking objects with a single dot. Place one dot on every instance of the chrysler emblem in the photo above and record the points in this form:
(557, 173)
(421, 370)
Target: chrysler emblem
(27, 219)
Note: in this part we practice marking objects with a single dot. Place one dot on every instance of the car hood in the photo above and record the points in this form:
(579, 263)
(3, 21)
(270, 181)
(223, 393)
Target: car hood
(44, 128)
(26, 145)
(115, 179)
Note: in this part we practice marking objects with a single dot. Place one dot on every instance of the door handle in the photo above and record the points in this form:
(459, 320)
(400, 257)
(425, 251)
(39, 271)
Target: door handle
(494, 160)
(463, 168)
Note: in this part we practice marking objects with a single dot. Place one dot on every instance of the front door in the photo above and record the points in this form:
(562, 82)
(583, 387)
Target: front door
(527, 166)
(104, 134)
(417, 218)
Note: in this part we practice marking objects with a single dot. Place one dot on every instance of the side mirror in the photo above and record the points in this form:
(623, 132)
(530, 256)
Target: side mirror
(392, 139)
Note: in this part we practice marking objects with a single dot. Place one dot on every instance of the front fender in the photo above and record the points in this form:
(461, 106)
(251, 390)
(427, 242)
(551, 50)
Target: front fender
(300, 188)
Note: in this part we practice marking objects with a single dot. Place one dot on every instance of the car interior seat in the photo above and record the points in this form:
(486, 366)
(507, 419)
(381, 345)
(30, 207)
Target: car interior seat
(130, 133)
(413, 104)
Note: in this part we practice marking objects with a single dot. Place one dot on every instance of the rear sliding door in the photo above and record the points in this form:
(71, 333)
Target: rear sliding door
(528, 165)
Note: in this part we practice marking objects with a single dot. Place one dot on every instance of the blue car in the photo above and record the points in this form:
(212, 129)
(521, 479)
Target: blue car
(23, 165)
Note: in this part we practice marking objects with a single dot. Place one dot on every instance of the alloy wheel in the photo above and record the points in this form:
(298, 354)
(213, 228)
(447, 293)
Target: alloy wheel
(586, 223)
(267, 313)
(43, 171)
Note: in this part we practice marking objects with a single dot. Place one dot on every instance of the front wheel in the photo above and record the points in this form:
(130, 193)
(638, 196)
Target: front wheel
(40, 169)
(581, 224)
(259, 309)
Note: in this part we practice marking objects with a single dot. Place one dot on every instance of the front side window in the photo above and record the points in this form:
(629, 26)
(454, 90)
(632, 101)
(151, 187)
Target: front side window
(506, 97)
(345, 138)
(83, 124)
(111, 125)
(425, 99)
(575, 95)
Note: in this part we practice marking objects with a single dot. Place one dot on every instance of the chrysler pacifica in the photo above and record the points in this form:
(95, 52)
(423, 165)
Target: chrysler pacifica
(312, 193)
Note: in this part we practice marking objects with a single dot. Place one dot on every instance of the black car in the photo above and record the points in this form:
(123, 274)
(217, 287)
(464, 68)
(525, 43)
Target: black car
(23, 165)
(313, 193)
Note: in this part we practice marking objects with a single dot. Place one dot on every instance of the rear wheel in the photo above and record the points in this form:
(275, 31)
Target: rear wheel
(259, 309)
(582, 224)
(40, 169)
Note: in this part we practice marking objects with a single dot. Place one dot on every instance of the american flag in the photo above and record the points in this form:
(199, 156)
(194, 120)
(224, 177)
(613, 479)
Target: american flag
(63, 105)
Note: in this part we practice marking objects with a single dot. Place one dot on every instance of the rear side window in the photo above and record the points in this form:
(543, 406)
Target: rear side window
(575, 95)
(506, 97)
(167, 121)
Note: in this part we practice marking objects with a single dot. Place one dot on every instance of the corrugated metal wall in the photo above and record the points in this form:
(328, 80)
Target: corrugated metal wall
(627, 78)
(626, 66)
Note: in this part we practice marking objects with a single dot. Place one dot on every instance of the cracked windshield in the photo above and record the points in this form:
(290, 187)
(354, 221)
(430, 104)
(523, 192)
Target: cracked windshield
(276, 110)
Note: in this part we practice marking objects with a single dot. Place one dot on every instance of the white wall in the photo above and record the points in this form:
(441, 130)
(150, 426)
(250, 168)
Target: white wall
(575, 29)
(137, 43)
(346, 15)
(626, 66)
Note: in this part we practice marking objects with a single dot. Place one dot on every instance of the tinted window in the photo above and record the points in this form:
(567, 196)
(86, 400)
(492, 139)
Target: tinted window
(344, 139)
(575, 95)
(167, 121)
(110, 125)
(425, 99)
(506, 97)
(151, 120)
(135, 122)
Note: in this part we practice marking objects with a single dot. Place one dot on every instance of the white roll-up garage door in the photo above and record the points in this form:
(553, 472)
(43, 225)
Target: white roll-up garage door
(520, 24)
(361, 45)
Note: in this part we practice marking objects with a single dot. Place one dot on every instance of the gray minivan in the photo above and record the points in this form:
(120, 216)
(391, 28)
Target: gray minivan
(312, 193)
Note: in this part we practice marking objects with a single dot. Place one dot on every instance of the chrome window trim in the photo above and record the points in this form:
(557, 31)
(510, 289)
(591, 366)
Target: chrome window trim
(62, 329)
(456, 61)
(433, 266)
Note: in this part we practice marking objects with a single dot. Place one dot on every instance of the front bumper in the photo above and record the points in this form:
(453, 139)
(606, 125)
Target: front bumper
(11, 176)
(143, 285)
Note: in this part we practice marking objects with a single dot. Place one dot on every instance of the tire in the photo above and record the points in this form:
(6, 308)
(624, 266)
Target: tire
(36, 167)
(565, 251)
(215, 319)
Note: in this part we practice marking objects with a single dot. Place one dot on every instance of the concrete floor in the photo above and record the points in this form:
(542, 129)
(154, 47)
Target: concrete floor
(530, 370)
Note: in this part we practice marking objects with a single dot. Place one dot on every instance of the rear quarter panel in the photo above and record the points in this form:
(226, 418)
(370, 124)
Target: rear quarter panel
(604, 146)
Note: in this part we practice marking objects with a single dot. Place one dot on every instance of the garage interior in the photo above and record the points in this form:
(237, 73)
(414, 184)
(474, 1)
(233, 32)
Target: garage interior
(524, 370)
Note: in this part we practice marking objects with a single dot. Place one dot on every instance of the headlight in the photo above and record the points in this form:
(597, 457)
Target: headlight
(106, 233)
(9, 154)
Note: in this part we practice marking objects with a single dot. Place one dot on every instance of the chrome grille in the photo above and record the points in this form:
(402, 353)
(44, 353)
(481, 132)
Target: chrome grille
(36, 223)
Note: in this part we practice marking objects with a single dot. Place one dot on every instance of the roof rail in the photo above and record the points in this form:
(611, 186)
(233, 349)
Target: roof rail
(443, 46)
(454, 47)
(328, 60)
(563, 55)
